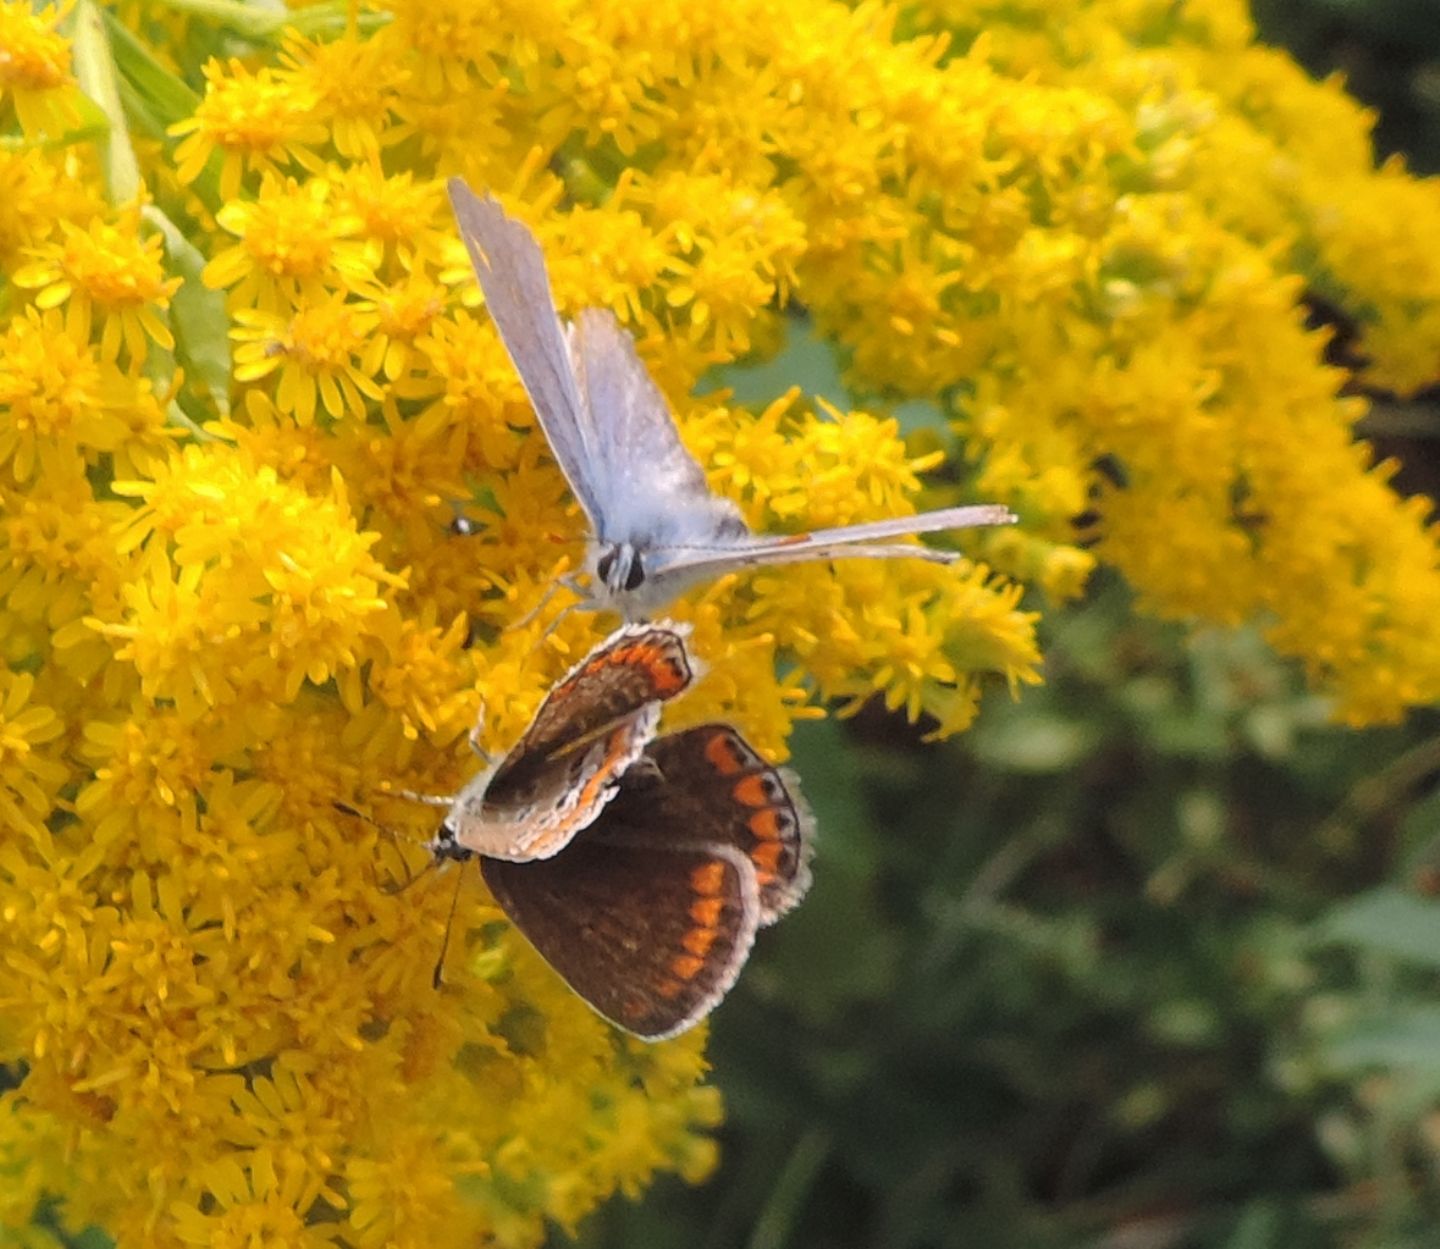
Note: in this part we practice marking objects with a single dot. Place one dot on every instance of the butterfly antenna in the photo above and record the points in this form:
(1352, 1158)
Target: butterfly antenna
(410, 877)
(437, 977)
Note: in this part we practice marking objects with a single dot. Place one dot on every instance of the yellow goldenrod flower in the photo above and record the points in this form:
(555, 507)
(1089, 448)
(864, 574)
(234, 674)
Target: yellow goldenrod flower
(35, 77)
(315, 354)
(405, 311)
(107, 270)
(39, 198)
(59, 401)
(294, 247)
(28, 779)
(738, 249)
(261, 590)
(256, 1204)
(405, 216)
(469, 378)
(357, 83)
(260, 122)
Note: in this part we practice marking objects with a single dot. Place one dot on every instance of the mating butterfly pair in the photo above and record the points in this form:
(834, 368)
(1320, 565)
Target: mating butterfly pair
(640, 868)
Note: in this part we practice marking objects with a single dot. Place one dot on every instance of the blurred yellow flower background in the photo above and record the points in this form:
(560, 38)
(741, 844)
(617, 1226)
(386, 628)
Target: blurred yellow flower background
(245, 380)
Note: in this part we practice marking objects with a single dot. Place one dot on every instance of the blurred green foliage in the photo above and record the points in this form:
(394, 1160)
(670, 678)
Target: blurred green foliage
(1148, 960)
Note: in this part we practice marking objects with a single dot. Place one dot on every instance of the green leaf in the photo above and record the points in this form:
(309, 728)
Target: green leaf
(197, 315)
(1387, 921)
(922, 416)
(825, 974)
(249, 20)
(806, 360)
(1260, 1227)
(777, 1221)
(158, 94)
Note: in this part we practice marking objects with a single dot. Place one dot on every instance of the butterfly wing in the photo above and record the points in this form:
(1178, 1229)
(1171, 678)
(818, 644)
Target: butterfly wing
(592, 726)
(650, 915)
(681, 566)
(708, 786)
(649, 935)
(511, 269)
(656, 493)
(607, 422)
(543, 803)
(635, 665)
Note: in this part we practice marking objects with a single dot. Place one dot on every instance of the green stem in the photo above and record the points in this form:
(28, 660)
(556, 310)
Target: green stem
(95, 71)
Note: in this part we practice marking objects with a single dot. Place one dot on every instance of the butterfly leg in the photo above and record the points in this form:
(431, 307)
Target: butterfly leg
(565, 611)
(566, 581)
(480, 752)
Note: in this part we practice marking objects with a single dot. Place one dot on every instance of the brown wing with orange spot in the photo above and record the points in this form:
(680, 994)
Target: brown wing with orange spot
(708, 786)
(635, 667)
(650, 936)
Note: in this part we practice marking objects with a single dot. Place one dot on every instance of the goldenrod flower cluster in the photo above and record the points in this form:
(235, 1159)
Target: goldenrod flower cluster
(245, 378)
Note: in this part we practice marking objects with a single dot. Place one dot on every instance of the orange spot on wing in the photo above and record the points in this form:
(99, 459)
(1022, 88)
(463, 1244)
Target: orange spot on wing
(699, 940)
(708, 879)
(686, 966)
(666, 670)
(706, 911)
(767, 856)
(617, 745)
(721, 754)
(670, 676)
(765, 824)
(752, 791)
(669, 989)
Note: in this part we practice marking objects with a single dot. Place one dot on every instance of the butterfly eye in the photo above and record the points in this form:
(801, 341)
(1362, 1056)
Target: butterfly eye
(634, 568)
(446, 845)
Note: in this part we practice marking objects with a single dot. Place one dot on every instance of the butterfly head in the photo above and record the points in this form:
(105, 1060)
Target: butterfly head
(619, 569)
(445, 845)
(634, 580)
(622, 581)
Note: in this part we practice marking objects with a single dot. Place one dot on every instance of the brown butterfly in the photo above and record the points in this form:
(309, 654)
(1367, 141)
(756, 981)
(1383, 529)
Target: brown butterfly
(640, 868)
